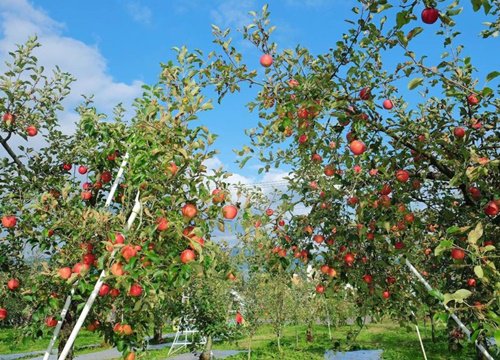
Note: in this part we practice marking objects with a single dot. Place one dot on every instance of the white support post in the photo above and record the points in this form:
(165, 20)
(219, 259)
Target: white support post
(67, 304)
(97, 287)
(453, 316)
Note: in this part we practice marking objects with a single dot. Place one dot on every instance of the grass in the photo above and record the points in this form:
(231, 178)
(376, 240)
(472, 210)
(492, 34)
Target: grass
(398, 343)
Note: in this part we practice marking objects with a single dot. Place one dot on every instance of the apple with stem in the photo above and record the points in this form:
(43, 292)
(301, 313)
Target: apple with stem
(430, 15)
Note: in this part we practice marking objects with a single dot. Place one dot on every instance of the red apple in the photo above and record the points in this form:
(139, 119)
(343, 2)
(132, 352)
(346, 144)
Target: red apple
(172, 168)
(104, 290)
(218, 196)
(82, 169)
(187, 256)
(114, 293)
(31, 130)
(367, 278)
(303, 139)
(162, 224)
(293, 83)
(9, 221)
(457, 254)
(471, 282)
(119, 238)
(66, 167)
(430, 15)
(88, 259)
(357, 147)
(80, 268)
(316, 158)
(229, 212)
(349, 259)
(117, 269)
(266, 60)
(3, 314)
(329, 170)
(386, 189)
(269, 212)
(128, 252)
(50, 321)
(13, 284)
(387, 104)
(459, 132)
(472, 100)
(491, 208)
(135, 290)
(189, 211)
(365, 93)
(475, 193)
(64, 273)
(402, 175)
(390, 280)
(9, 119)
(318, 238)
(93, 326)
(86, 195)
(320, 289)
(106, 177)
(386, 294)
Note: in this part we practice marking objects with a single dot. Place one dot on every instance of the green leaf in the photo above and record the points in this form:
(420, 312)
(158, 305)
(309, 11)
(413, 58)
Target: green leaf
(436, 294)
(475, 234)
(443, 246)
(478, 270)
(497, 336)
(414, 83)
(458, 296)
(492, 75)
(453, 230)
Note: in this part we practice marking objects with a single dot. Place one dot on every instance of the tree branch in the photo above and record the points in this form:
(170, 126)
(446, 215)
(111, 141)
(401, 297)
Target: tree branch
(12, 154)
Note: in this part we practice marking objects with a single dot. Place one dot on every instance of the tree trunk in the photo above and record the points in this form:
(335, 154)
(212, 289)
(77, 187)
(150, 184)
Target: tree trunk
(433, 327)
(309, 333)
(66, 328)
(207, 350)
(157, 332)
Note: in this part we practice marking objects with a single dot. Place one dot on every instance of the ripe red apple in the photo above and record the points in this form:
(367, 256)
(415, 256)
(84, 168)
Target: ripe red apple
(357, 147)
(106, 176)
(114, 293)
(365, 93)
(386, 189)
(128, 252)
(50, 321)
(31, 130)
(390, 280)
(459, 132)
(430, 15)
(82, 169)
(93, 326)
(349, 259)
(320, 289)
(316, 158)
(9, 119)
(367, 278)
(293, 83)
(86, 186)
(329, 170)
(80, 268)
(229, 212)
(66, 167)
(399, 245)
(162, 224)
(64, 273)
(135, 290)
(475, 193)
(187, 256)
(491, 208)
(387, 104)
(3, 314)
(104, 290)
(409, 218)
(218, 196)
(231, 277)
(303, 139)
(353, 200)
(86, 195)
(303, 114)
(471, 282)
(269, 212)
(189, 211)
(9, 221)
(172, 168)
(457, 254)
(386, 294)
(324, 269)
(318, 238)
(13, 284)
(119, 238)
(402, 175)
(266, 60)
(281, 223)
(472, 100)
(117, 269)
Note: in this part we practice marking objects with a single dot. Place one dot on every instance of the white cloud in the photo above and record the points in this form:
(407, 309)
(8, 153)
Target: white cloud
(139, 13)
(20, 19)
(233, 13)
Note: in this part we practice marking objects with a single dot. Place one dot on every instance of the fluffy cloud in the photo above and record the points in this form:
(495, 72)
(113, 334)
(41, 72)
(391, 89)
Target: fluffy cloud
(139, 13)
(20, 19)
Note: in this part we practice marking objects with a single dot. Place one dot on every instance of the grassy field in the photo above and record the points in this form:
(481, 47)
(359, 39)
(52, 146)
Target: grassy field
(398, 343)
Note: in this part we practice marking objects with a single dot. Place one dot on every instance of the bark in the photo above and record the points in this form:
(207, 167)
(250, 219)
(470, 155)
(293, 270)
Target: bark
(309, 333)
(433, 327)
(158, 334)
(207, 350)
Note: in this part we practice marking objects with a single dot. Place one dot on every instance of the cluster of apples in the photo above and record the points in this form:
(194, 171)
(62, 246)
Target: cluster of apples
(10, 119)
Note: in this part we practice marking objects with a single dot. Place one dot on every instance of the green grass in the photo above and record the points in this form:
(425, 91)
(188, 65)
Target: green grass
(398, 343)
(12, 342)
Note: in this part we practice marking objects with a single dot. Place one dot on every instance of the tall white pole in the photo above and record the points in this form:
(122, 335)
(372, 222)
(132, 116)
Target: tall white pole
(97, 287)
(67, 304)
(453, 316)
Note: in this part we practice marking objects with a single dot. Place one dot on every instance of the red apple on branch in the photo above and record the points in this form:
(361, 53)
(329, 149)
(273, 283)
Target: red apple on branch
(187, 256)
(31, 131)
(64, 273)
(266, 60)
(135, 290)
(13, 284)
(189, 211)
(9, 221)
(3, 313)
(229, 212)
(430, 15)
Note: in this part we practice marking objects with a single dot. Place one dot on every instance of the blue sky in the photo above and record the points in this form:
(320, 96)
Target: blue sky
(114, 46)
